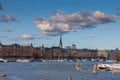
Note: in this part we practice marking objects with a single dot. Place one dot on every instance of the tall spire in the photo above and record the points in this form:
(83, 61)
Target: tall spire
(60, 43)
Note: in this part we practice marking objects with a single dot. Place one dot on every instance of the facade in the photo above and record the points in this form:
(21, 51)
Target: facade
(70, 52)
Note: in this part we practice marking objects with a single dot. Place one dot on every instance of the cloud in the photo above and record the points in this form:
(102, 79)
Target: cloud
(29, 37)
(25, 36)
(91, 36)
(58, 12)
(8, 18)
(65, 23)
(6, 30)
(14, 39)
(105, 27)
(29, 43)
(1, 36)
(118, 12)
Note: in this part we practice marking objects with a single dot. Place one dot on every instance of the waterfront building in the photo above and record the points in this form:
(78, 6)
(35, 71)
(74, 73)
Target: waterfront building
(102, 54)
(74, 46)
(16, 51)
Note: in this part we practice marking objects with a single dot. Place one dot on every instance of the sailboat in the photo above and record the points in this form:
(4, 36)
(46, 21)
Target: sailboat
(95, 69)
(2, 75)
(70, 78)
(77, 67)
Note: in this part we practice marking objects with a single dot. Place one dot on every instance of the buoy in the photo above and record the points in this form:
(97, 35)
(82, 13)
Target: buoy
(2, 75)
(95, 71)
(70, 78)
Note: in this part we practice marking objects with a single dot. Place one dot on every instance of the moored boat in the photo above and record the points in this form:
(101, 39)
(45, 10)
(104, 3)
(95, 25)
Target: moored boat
(3, 60)
(114, 66)
(22, 60)
(103, 66)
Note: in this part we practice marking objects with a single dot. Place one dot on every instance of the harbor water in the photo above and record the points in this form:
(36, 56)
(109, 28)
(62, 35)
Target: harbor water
(53, 71)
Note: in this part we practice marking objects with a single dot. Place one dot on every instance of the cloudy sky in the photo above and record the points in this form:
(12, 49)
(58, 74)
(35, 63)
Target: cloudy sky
(86, 23)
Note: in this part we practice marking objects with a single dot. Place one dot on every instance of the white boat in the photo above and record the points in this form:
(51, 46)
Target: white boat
(113, 66)
(22, 60)
(103, 66)
(3, 60)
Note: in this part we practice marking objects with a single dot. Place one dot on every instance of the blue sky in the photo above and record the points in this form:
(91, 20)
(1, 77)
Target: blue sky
(86, 23)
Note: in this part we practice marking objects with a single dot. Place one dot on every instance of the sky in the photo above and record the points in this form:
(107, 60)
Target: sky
(92, 24)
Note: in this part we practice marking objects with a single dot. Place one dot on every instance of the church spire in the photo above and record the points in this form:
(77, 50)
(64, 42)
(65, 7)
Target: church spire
(60, 43)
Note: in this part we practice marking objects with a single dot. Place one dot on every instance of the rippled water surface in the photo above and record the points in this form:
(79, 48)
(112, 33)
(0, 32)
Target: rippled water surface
(53, 71)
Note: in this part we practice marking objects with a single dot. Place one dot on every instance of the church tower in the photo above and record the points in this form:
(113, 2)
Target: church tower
(60, 43)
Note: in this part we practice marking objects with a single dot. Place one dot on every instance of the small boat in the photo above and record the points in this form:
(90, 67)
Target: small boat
(2, 75)
(22, 60)
(103, 66)
(3, 60)
(95, 69)
(115, 66)
(77, 67)
(70, 78)
(109, 67)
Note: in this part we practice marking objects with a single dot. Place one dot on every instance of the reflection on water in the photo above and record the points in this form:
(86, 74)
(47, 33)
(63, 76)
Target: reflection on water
(53, 71)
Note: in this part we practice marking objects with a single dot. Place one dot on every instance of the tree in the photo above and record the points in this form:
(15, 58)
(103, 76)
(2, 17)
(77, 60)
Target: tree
(117, 56)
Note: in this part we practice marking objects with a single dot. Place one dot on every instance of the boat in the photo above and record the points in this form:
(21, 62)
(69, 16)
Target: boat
(70, 78)
(95, 69)
(22, 60)
(114, 66)
(77, 67)
(103, 66)
(3, 60)
(2, 75)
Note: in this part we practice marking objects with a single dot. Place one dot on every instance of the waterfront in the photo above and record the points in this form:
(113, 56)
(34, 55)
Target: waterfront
(52, 71)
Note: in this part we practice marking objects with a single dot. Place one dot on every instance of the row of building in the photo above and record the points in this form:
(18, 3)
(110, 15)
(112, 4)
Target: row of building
(17, 51)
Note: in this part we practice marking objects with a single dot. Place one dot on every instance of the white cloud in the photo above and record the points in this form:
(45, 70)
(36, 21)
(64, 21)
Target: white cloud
(25, 36)
(64, 23)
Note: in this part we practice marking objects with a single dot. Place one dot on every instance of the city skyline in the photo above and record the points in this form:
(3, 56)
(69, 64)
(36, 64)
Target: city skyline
(87, 23)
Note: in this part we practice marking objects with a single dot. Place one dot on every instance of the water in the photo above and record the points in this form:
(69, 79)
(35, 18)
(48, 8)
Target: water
(53, 71)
